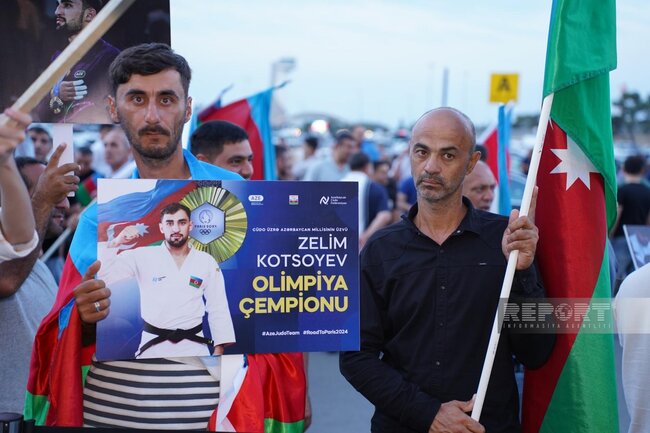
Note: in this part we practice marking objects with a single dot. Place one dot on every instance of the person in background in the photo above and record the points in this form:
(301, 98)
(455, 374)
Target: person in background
(337, 165)
(117, 153)
(479, 186)
(225, 145)
(283, 163)
(406, 195)
(27, 287)
(309, 147)
(97, 147)
(633, 208)
(42, 141)
(83, 156)
(381, 170)
(374, 212)
(363, 144)
(631, 317)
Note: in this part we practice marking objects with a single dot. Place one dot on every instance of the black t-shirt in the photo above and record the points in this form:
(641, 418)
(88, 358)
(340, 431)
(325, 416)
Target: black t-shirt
(635, 200)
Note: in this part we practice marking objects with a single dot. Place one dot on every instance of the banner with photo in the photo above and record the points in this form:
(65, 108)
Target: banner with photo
(256, 267)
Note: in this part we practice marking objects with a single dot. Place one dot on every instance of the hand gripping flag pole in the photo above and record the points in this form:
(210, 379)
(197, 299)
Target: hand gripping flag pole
(71, 55)
(531, 180)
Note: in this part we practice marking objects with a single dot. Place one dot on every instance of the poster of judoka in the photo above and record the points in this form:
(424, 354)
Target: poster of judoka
(200, 268)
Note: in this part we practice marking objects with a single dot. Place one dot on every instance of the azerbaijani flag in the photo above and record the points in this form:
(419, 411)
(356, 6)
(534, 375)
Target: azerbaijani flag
(141, 209)
(194, 120)
(496, 140)
(252, 114)
(575, 391)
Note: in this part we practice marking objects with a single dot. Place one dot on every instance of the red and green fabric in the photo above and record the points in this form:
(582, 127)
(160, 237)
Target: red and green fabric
(59, 361)
(268, 396)
(575, 391)
(87, 190)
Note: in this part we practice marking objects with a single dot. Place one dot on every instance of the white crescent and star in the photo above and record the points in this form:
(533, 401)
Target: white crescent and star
(574, 163)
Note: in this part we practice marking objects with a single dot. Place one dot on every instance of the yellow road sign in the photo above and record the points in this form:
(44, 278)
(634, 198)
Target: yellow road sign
(503, 87)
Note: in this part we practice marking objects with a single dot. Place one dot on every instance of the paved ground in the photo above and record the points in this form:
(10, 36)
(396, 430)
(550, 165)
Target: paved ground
(337, 407)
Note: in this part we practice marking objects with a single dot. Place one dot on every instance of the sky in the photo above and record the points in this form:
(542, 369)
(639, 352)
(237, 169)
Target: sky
(383, 60)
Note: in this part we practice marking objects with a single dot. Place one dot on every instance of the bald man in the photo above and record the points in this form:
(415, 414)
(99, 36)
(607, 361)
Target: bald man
(430, 287)
(479, 186)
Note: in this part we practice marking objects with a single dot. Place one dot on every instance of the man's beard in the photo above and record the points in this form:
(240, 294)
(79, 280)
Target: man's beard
(444, 191)
(71, 27)
(178, 243)
(54, 228)
(153, 152)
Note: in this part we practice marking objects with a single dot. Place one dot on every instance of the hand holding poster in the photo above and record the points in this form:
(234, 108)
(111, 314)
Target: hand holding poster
(201, 267)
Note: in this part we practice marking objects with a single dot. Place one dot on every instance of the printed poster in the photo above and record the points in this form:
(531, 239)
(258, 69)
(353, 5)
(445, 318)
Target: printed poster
(256, 267)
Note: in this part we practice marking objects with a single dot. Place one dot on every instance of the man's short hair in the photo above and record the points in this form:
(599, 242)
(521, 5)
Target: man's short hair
(210, 137)
(95, 4)
(312, 142)
(634, 164)
(148, 59)
(24, 161)
(172, 208)
(85, 151)
(40, 130)
(358, 161)
(343, 134)
(379, 163)
(281, 150)
(105, 128)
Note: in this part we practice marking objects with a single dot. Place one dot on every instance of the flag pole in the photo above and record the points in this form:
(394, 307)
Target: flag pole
(531, 180)
(70, 56)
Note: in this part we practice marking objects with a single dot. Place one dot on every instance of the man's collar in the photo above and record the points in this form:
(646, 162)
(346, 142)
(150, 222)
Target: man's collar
(470, 222)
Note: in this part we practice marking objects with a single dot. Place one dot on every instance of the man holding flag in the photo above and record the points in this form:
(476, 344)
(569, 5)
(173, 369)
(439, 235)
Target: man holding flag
(429, 289)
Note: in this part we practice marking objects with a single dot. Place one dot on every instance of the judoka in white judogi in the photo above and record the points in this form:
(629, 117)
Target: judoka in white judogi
(173, 278)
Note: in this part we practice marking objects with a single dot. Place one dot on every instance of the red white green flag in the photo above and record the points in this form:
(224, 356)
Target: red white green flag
(575, 391)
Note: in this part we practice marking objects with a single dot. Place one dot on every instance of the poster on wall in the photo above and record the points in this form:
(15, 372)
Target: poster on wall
(35, 32)
(197, 268)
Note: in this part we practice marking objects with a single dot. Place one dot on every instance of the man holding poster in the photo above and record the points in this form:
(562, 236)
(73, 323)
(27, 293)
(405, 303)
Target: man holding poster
(149, 98)
(173, 279)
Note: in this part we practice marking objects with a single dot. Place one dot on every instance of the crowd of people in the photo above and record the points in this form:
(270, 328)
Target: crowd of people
(417, 362)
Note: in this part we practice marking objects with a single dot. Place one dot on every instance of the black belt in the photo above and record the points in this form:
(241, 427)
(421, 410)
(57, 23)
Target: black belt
(173, 335)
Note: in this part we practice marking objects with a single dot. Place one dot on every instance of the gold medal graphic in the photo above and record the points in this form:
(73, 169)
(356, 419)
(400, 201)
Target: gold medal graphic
(219, 221)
